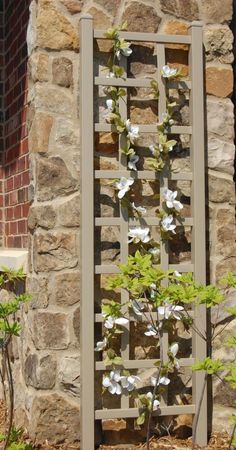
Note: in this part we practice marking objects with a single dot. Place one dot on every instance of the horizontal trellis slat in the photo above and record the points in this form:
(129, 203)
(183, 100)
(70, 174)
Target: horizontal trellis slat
(141, 174)
(134, 412)
(143, 221)
(145, 363)
(148, 37)
(106, 269)
(175, 129)
(139, 82)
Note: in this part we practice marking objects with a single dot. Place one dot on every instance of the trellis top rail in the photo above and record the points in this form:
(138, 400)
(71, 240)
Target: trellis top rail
(148, 37)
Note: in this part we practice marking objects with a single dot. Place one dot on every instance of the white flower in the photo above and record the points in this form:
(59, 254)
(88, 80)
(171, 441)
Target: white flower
(162, 380)
(167, 224)
(139, 209)
(111, 382)
(110, 75)
(156, 403)
(168, 72)
(139, 234)
(150, 331)
(126, 51)
(110, 104)
(111, 321)
(152, 149)
(130, 382)
(101, 345)
(132, 162)
(123, 186)
(169, 197)
(137, 307)
(177, 274)
(153, 288)
(132, 130)
(174, 348)
(154, 251)
(167, 311)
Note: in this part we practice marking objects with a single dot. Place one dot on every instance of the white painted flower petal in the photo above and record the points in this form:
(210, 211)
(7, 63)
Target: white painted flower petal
(174, 348)
(106, 382)
(121, 321)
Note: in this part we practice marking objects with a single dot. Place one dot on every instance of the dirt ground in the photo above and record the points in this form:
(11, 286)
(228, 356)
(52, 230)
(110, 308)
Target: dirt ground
(218, 441)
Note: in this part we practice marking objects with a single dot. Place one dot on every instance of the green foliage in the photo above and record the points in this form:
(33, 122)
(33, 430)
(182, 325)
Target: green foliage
(210, 296)
(210, 366)
(230, 341)
(232, 376)
(15, 441)
(229, 280)
(112, 359)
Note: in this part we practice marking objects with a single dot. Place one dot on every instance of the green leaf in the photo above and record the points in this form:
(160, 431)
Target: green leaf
(210, 366)
(141, 418)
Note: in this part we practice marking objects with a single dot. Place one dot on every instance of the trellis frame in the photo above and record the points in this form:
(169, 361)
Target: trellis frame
(88, 221)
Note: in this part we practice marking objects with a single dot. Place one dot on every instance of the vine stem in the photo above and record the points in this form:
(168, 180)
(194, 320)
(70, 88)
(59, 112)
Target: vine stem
(154, 392)
(197, 415)
(232, 436)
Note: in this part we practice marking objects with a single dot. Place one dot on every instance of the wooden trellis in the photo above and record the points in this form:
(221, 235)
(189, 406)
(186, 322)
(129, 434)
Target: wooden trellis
(88, 220)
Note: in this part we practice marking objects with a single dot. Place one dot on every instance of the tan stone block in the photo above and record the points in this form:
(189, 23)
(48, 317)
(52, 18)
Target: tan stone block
(106, 143)
(37, 287)
(111, 6)
(62, 71)
(219, 81)
(221, 187)
(69, 374)
(221, 155)
(141, 17)
(55, 418)
(146, 113)
(50, 331)
(54, 30)
(225, 232)
(53, 99)
(54, 179)
(64, 288)
(224, 266)
(101, 22)
(220, 118)
(39, 133)
(218, 42)
(39, 66)
(69, 212)
(186, 9)
(40, 372)
(55, 250)
(176, 27)
(73, 6)
(216, 11)
(41, 216)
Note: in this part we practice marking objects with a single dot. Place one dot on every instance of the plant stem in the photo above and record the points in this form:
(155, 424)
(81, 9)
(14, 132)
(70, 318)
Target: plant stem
(11, 397)
(197, 415)
(154, 392)
(232, 436)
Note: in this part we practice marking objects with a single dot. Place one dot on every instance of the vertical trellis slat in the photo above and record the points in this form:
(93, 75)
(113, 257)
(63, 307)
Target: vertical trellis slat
(87, 234)
(196, 132)
(198, 212)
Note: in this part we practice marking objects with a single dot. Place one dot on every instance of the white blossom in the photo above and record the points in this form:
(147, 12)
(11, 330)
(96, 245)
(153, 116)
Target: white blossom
(170, 199)
(125, 51)
(152, 149)
(167, 224)
(156, 403)
(130, 382)
(111, 321)
(137, 307)
(101, 345)
(167, 311)
(168, 72)
(154, 251)
(177, 274)
(110, 75)
(139, 234)
(153, 288)
(162, 380)
(132, 130)
(111, 382)
(110, 105)
(174, 348)
(138, 209)
(132, 162)
(123, 185)
(150, 331)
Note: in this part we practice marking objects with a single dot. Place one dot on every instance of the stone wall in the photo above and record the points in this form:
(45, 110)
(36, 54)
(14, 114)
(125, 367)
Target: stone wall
(48, 398)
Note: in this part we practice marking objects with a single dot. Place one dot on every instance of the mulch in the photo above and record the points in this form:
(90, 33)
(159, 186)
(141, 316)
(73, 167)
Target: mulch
(218, 441)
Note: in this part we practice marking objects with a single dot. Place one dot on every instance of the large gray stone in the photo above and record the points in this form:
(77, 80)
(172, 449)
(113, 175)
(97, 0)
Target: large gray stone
(40, 371)
(69, 374)
(64, 288)
(50, 331)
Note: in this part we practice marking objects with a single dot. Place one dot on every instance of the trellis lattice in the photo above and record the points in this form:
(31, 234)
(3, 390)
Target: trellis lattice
(196, 176)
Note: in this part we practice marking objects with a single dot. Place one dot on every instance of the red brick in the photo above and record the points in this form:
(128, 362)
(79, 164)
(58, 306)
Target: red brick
(9, 184)
(22, 226)
(18, 212)
(9, 213)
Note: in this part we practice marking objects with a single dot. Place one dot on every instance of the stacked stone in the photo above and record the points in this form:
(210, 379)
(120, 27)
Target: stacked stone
(48, 387)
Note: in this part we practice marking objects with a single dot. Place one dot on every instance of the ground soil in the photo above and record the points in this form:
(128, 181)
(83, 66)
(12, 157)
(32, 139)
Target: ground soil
(217, 442)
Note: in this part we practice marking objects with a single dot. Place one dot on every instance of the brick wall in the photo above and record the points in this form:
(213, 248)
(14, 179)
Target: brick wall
(16, 165)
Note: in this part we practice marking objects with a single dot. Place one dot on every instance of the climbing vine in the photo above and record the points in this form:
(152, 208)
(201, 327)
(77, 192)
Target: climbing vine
(166, 295)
